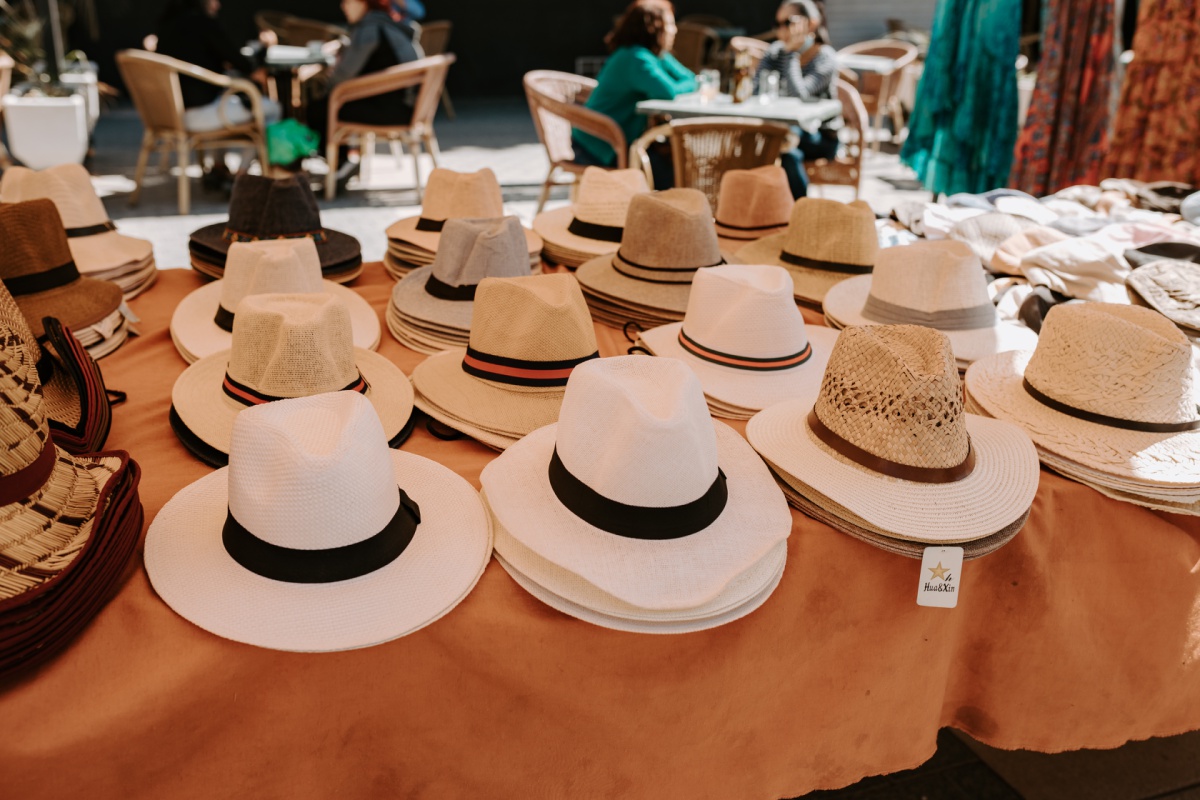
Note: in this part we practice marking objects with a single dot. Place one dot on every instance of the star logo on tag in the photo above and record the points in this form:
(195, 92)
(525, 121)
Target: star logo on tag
(941, 572)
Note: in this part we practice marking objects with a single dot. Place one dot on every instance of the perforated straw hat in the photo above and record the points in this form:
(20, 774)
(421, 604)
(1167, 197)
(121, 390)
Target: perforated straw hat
(1172, 288)
(593, 224)
(202, 323)
(887, 438)
(637, 490)
(938, 284)
(825, 242)
(317, 537)
(745, 339)
(753, 203)
(527, 336)
(284, 346)
(1110, 387)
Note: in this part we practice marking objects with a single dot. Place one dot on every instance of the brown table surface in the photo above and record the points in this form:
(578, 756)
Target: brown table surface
(1083, 632)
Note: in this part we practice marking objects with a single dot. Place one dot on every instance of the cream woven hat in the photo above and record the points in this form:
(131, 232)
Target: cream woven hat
(825, 242)
(1172, 288)
(986, 232)
(887, 439)
(637, 490)
(527, 337)
(284, 346)
(593, 224)
(1109, 387)
(202, 323)
(937, 284)
(745, 339)
(317, 537)
(753, 203)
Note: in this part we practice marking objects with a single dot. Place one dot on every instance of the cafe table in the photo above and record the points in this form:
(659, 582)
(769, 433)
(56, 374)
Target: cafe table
(788, 110)
(283, 64)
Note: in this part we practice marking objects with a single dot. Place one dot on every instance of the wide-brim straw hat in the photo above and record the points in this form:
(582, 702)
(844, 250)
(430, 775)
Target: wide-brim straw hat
(592, 225)
(753, 203)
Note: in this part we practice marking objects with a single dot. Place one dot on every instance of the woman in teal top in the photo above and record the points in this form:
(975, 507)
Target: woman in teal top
(641, 67)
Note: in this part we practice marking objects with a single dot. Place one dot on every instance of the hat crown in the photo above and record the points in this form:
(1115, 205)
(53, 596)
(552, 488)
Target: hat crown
(273, 208)
(470, 250)
(23, 430)
(34, 238)
(745, 310)
(930, 276)
(637, 430)
(282, 266)
(462, 195)
(1117, 360)
(19, 336)
(312, 473)
(826, 230)
(754, 198)
(532, 318)
(894, 391)
(604, 195)
(670, 229)
(68, 186)
(292, 345)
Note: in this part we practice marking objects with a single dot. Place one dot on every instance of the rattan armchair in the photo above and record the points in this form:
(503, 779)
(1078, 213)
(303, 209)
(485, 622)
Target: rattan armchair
(6, 70)
(846, 168)
(153, 83)
(880, 91)
(556, 104)
(694, 44)
(434, 39)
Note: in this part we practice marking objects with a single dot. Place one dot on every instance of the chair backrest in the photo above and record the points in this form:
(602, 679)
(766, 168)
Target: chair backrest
(152, 80)
(272, 21)
(692, 45)
(754, 48)
(846, 168)
(435, 37)
(430, 94)
(556, 105)
(6, 71)
(877, 88)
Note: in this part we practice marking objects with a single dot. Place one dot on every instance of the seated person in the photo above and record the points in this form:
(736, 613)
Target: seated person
(807, 68)
(640, 67)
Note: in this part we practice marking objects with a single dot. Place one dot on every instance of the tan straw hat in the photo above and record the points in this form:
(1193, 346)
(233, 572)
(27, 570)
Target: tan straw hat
(592, 225)
(753, 203)
(888, 439)
(825, 242)
(284, 345)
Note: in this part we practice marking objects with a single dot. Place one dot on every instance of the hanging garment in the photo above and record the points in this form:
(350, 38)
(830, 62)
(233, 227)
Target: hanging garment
(964, 121)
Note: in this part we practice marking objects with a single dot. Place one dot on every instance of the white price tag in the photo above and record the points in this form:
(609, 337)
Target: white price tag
(941, 573)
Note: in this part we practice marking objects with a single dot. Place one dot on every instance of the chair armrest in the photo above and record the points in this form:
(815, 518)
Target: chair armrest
(403, 76)
(599, 125)
(243, 86)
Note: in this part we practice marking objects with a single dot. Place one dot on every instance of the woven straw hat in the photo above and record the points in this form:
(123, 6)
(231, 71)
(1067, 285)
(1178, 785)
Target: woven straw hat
(825, 242)
(753, 203)
(38, 270)
(745, 339)
(1103, 383)
(527, 336)
(202, 323)
(637, 490)
(317, 537)
(1172, 288)
(593, 224)
(887, 438)
(938, 284)
(284, 346)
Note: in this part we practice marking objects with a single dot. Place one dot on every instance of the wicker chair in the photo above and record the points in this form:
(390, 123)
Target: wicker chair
(153, 83)
(297, 31)
(881, 91)
(556, 104)
(694, 44)
(6, 70)
(434, 40)
(704, 148)
(846, 168)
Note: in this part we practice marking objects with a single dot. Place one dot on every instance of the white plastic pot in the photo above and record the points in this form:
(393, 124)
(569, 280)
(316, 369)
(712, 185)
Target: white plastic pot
(46, 131)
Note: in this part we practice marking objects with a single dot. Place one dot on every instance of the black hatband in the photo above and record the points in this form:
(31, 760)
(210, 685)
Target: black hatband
(592, 230)
(1112, 422)
(826, 266)
(445, 291)
(42, 281)
(91, 230)
(431, 225)
(224, 318)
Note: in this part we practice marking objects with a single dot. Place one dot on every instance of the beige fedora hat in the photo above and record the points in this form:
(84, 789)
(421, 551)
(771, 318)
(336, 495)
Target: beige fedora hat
(825, 242)
(527, 336)
(888, 439)
(593, 224)
(938, 284)
(745, 339)
(284, 346)
(202, 323)
(753, 203)
(1110, 387)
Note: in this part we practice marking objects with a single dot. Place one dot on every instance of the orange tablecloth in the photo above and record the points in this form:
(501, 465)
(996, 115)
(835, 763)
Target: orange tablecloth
(1083, 632)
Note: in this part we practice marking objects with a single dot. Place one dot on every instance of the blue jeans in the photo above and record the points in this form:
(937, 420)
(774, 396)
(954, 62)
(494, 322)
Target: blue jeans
(813, 145)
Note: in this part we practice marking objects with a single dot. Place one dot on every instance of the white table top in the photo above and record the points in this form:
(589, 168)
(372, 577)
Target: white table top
(866, 63)
(789, 110)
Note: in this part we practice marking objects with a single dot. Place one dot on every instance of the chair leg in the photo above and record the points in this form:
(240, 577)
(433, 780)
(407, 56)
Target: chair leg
(431, 147)
(366, 156)
(183, 157)
(545, 195)
(139, 174)
(447, 106)
(397, 151)
(415, 148)
(164, 162)
(331, 159)
(264, 160)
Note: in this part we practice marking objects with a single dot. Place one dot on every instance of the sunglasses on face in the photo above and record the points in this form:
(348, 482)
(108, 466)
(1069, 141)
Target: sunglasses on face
(789, 22)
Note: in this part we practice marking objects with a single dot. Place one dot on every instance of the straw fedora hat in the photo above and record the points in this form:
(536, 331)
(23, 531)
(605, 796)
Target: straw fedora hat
(888, 439)
(1110, 387)
(202, 323)
(37, 268)
(753, 203)
(527, 337)
(1172, 288)
(593, 224)
(745, 339)
(939, 284)
(455, 195)
(637, 490)
(825, 242)
(317, 537)
(284, 345)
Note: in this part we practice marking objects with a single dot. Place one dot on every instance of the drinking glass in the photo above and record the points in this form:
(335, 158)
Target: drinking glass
(708, 82)
(768, 86)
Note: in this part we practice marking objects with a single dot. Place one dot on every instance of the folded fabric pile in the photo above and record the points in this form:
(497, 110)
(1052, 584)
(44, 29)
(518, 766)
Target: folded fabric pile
(592, 225)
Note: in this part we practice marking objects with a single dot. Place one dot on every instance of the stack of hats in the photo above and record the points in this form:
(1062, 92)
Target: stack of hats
(98, 249)
(317, 537)
(938, 284)
(430, 309)
(592, 225)
(825, 242)
(1171, 288)
(637, 511)
(202, 323)
(264, 208)
(745, 339)
(283, 346)
(1109, 398)
(668, 236)
(527, 336)
(752, 203)
(37, 268)
(887, 454)
(414, 241)
(70, 524)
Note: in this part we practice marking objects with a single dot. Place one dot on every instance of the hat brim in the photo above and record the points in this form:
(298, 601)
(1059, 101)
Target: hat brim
(657, 575)
(191, 571)
(337, 248)
(599, 276)
(410, 298)
(553, 226)
(197, 335)
(493, 439)
(809, 285)
(420, 341)
(405, 230)
(79, 304)
(998, 491)
(108, 251)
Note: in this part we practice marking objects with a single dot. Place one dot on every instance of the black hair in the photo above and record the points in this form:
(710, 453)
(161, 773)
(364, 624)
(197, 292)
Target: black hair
(643, 23)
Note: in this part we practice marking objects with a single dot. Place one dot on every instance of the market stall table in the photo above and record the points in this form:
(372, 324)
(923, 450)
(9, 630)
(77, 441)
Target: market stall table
(790, 110)
(1083, 632)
